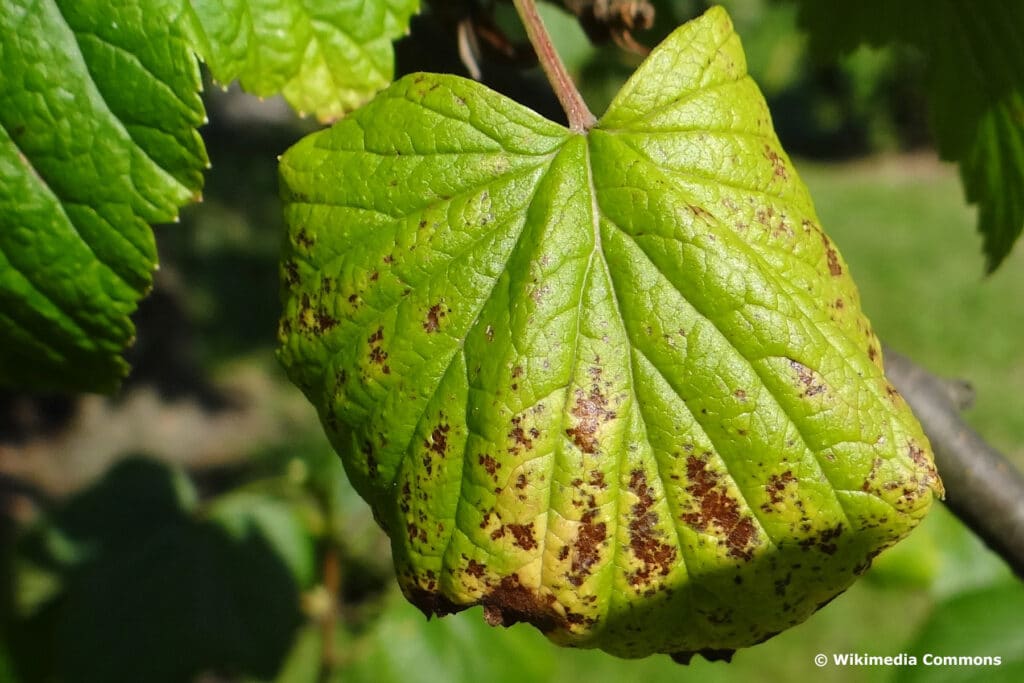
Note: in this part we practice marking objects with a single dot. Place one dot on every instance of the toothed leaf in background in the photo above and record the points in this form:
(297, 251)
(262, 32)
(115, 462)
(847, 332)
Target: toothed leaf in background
(325, 57)
(975, 91)
(99, 106)
(617, 385)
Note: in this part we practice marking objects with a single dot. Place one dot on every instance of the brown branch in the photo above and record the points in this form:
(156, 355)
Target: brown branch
(331, 568)
(982, 487)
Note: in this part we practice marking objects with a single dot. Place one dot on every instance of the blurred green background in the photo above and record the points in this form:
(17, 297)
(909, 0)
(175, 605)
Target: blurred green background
(198, 527)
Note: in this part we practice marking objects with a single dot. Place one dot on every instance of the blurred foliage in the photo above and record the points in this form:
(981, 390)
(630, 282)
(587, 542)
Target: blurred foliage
(130, 580)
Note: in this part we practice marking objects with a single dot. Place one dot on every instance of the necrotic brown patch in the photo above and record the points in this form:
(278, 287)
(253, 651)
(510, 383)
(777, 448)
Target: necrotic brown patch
(833, 257)
(807, 378)
(489, 464)
(716, 510)
(777, 484)
(520, 440)
(590, 411)
(434, 315)
(644, 538)
(438, 442)
(587, 547)
(510, 602)
(522, 535)
(778, 165)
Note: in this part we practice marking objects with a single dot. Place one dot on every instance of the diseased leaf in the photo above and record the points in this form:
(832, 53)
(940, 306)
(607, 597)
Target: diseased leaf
(325, 57)
(617, 385)
(99, 107)
(976, 90)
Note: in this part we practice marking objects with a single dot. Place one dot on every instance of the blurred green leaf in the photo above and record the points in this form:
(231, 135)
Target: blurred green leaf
(325, 57)
(462, 648)
(99, 107)
(985, 622)
(976, 90)
(243, 514)
(162, 594)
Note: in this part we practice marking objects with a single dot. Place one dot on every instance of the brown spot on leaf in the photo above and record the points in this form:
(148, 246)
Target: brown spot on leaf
(778, 165)
(432, 604)
(403, 502)
(520, 440)
(325, 321)
(511, 602)
(291, 273)
(303, 239)
(644, 539)
(522, 535)
(415, 532)
(489, 464)
(926, 469)
(438, 442)
(587, 547)
(475, 569)
(378, 356)
(521, 482)
(833, 257)
(807, 377)
(590, 411)
(777, 484)
(716, 509)
(434, 316)
(700, 212)
(824, 541)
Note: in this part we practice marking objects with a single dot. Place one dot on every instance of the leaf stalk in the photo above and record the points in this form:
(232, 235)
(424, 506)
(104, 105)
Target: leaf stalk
(581, 119)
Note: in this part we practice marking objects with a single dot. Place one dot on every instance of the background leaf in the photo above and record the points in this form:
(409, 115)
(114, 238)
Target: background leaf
(976, 90)
(98, 109)
(980, 623)
(158, 591)
(325, 57)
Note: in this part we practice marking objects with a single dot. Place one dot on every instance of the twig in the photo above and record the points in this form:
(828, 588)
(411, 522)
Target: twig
(581, 119)
(982, 488)
(329, 621)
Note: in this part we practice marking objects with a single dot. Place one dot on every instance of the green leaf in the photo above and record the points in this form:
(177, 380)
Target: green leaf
(460, 650)
(976, 90)
(244, 515)
(98, 109)
(617, 385)
(982, 623)
(161, 592)
(324, 56)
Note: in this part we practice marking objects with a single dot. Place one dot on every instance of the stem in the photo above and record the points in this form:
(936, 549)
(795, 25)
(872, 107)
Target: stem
(328, 624)
(580, 117)
(983, 489)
